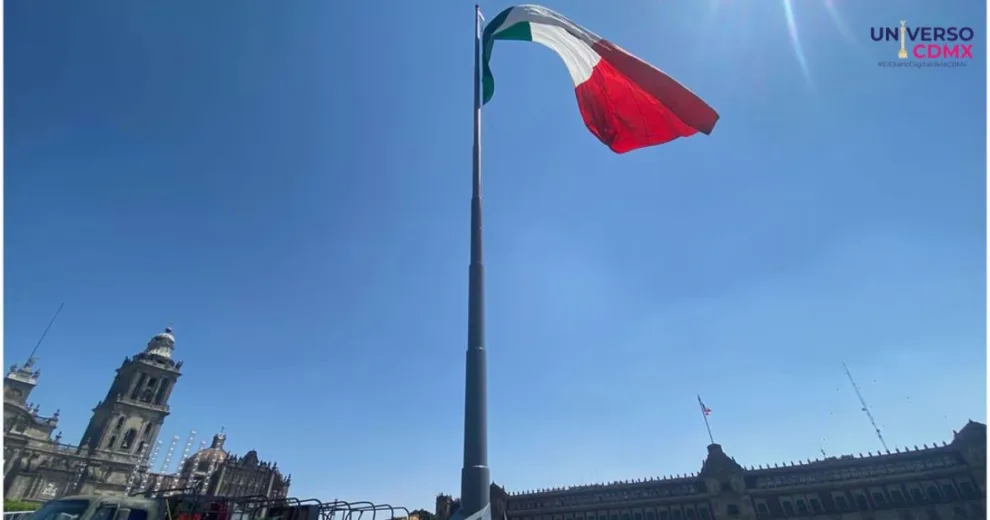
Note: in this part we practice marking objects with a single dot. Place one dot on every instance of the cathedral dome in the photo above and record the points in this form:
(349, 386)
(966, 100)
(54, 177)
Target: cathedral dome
(162, 344)
(206, 459)
(203, 460)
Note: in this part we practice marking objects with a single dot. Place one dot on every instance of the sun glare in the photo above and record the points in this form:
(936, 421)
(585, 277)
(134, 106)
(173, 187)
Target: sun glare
(796, 40)
(840, 24)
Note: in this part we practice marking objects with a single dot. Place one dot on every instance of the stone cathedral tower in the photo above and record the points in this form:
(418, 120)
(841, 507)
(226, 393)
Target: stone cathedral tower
(127, 421)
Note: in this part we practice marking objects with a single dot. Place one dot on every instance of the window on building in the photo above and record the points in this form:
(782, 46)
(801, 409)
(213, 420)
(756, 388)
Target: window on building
(614, 516)
(841, 503)
(933, 494)
(959, 512)
(917, 496)
(788, 507)
(896, 496)
(137, 387)
(966, 490)
(638, 516)
(879, 499)
(162, 390)
(112, 441)
(650, 515)
(704, 514)
(663, 514)
(690, 514)
(802, 506)
(861, 502)
(732, 509)
(949, 491)
(128, 439)
(625, 516)
(120, 423)
(816, 505)
(762, 510)
(676, 514)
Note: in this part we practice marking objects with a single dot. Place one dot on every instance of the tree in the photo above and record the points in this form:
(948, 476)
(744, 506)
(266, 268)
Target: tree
(423, 514)
(11, 506)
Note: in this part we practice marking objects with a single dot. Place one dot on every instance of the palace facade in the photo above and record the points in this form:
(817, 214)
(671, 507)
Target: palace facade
(928, 483)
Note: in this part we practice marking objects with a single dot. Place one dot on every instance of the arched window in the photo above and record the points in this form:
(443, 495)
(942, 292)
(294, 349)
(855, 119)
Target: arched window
(120, 423)
(128, 439)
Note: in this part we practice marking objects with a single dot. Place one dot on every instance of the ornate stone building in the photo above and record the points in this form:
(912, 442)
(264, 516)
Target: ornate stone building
(213, 471)
(114, 445)
(112, 457)
(933, 482)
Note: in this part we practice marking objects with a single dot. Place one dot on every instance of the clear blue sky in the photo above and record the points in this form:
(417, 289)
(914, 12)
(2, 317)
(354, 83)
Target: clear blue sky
(288, 183)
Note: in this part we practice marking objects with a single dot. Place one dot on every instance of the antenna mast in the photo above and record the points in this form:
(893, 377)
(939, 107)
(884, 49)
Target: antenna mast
(866, 409)
(45, 333)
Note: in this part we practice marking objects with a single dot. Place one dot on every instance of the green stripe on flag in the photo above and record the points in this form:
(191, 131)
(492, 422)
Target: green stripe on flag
(518, 31)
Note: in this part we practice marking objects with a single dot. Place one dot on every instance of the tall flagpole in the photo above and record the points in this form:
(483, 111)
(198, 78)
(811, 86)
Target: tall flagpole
(704, 415)
(475, 476)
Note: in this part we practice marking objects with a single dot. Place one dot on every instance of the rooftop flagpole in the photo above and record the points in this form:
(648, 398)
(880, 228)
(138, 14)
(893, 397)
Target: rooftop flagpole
(475, 476)
(704, 414)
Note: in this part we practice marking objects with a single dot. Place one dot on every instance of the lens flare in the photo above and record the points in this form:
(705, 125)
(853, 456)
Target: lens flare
(796, 40)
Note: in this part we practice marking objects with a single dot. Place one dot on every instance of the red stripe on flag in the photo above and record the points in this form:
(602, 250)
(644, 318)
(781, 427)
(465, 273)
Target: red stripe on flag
(629, 104)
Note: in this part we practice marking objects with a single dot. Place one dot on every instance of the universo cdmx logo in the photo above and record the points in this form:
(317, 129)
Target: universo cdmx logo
(932, 46)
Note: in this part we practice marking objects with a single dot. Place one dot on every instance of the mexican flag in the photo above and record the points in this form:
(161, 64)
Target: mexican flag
(626, 102)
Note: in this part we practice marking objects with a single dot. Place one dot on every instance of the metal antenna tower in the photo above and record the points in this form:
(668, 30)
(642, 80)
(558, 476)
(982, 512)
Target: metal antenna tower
(45, 333)
(866, 409)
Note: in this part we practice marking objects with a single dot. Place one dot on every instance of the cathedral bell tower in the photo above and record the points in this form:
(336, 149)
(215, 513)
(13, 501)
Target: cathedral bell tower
(127, 421)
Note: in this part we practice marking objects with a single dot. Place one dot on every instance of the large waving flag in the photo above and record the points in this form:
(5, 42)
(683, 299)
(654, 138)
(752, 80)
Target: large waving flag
(626, 102)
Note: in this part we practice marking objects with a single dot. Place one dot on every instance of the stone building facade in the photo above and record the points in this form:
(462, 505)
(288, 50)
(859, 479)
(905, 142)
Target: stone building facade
(112, 457)
(214, 471)
(933, 482)
(124, 424)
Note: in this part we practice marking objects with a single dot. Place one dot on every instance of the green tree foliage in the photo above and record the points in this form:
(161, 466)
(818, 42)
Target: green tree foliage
(11, 506)
(423, 514)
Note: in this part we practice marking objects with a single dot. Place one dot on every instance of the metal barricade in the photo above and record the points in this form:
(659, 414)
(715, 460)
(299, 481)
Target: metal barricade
(204, 507)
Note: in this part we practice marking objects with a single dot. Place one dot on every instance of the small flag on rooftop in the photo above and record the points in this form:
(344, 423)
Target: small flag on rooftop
(704, 409)
(705, 412)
